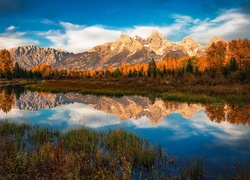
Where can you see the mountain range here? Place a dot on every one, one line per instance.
(124, 50)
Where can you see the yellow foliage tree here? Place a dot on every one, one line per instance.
(6, 62)
(44, 69)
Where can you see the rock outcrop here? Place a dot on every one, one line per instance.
(30, 56)
(128, 50)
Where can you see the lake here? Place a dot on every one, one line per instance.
(217, 134)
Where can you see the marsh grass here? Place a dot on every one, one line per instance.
(6, 82)
(234, 93)
(32, 152)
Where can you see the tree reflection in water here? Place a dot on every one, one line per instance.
(235, 114)
(8, 94)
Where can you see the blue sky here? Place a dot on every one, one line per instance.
(78, 25)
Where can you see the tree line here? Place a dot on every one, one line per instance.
(223, 61)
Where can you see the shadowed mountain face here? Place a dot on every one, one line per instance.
(124, 50)
(30, 56)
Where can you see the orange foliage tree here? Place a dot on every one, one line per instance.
(6, 62)
(44, 69)
(240, 51)
(216, 56)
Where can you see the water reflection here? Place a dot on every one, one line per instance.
(235, 114)
(218, 133)
(7, 95)
(124, 108)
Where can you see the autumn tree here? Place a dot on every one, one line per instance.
(6, 63)
(240, 51)
(44, 70)
(216, 57)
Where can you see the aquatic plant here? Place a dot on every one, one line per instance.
(33, 152)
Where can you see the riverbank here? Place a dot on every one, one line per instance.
(235, 93)
(6, 82)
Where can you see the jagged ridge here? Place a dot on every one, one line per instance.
(128, 50)
(124, 50)
(30, 56)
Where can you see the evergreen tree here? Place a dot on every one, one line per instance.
(17, 70)
(233, 65)
(8, 74)
(130, 73)
(116, 73)
(141, 72)
(189, 67)
(152, 70)
(107, 73)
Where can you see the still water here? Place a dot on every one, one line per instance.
(218, 134)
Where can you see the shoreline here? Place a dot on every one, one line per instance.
(18, 81)
(235, 93)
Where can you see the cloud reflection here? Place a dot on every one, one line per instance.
(75, 114)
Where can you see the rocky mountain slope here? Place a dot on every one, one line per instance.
(132, 51)
(215, 39)
(124, 50)
(30, 56)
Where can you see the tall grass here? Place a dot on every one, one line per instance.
(31, 152)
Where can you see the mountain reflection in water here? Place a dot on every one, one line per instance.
(126, 107)
(217, 133)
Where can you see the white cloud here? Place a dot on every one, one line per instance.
(47, 21)
(145, 31)
(185, 20)
(10, 39)
(71, 115)
(80, 38)
(11, 28)
(230, 24)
